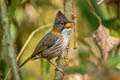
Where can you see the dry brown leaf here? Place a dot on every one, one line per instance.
(104, 41)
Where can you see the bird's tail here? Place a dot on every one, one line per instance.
(29, 58)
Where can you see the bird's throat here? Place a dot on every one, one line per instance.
(66, 36)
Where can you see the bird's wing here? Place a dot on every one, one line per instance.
(47, 41)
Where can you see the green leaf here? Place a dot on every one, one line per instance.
(47, 67)
(20, 15)
(115, 33)
(97, 9)
(116, 24)
(86, 12)
(115, 29)
(108, 22)
(42, 66)
(75, 70)
(83, 54)
(12, 7)
(41, 2)
(3, 69)
(113, 61)
(14, 32)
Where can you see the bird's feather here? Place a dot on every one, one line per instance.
(47, 41)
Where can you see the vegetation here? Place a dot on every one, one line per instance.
(94, 48)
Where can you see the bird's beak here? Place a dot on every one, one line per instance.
(68, 25)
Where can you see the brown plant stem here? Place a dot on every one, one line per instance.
(61, 62)
(8, 44)
(75, 31)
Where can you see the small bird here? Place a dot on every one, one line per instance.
(54, 42)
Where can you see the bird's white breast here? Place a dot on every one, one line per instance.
(66, 36)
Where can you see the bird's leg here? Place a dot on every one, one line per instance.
(59, 69)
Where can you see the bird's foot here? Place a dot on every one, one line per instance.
(65, 59)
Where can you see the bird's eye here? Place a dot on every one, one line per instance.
(63, 23)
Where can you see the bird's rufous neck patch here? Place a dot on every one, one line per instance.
(55, 30)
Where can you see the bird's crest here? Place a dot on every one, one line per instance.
(61, 17)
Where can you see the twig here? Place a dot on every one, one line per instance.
(74, 19)
(75, 28)
(25, 45)
(100, 1)
(9, 47)
(94, 13)
(61, 62)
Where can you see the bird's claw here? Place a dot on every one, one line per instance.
(65, 59)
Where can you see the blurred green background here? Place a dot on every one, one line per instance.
(25, 16)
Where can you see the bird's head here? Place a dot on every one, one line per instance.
(61, 22)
